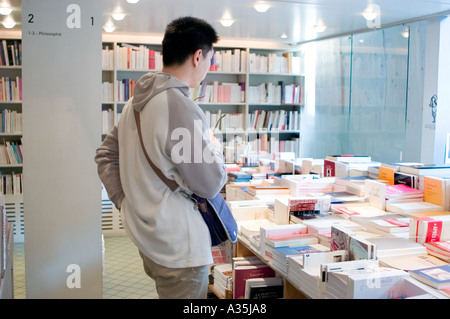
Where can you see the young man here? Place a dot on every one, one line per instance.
(169, 232)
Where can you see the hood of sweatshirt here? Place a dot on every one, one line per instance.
(152, 84)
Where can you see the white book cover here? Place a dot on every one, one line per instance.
(372, 283)
(413, 207)
(376, 192)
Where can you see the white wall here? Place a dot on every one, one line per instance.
(443, 107)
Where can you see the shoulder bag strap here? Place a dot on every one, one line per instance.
(170, 183)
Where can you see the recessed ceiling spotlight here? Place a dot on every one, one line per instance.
(5, 11)
(9, 23)
(226, 22)
(283, 36)
(132, 1)
(118, 16)
(261, 6)
(227, 19)
(371, 12)
(320, 26)
(109, 27)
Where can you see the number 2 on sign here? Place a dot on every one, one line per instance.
(74, 18)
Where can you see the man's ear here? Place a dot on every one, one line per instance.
(196, 57)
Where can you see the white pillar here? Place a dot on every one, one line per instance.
(62, 128)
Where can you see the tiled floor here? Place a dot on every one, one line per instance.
(124, 276)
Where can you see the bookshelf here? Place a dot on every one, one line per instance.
(11, 159)
(237, 74)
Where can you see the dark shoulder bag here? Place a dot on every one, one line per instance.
(215, 212)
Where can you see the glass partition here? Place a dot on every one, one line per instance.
(356, 95)
(325, 118)
(379, 93)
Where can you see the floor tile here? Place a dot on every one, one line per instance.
(123, 278)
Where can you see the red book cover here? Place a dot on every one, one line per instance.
(242, 273)
(151, 59)
(329, 168)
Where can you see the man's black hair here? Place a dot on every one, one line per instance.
(184, 36)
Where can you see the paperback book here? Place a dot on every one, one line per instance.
(436, 277)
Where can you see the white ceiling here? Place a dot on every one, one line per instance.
(295, 18)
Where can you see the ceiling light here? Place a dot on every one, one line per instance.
(371, 12)
(118, 16)
(261, 6)
(226, 22)
(9, 23)
(5, 11)
(320, 27)
(283, 36)
(109, 27)
(132, 1)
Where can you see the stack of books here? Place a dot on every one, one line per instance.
(281, 255)
(363, 210)
(222, 275)
(304, 271)
(400, 193)
(390, 226)
(369, 283)
(430, 229)
(440, 249)
(323, 225)
(436, 277)
(387, 247)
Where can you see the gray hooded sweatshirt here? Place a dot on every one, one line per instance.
(163, 224)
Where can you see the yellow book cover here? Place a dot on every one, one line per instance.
(433, 190)
(386, 174)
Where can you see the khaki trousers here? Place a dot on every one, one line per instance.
(177, 283)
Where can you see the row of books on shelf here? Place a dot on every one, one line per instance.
(11, 121)
(260, 120)
(281, 93)
(224, 121)
(281, 120)
(131, 57)
(11, 153)
(274, 63)
(11, 89)
(216, 92)
(107, 120)
(329, 242)
(234, 60)
(11, 53)
(11, 183)
(121, 90)
(140, 57)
